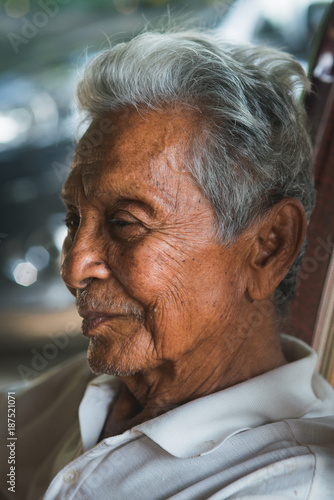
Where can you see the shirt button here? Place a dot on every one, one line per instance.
(71, 476)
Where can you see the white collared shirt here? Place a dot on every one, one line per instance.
(269, 437)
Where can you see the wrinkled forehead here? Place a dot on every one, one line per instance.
(133, 150)
(143, 135)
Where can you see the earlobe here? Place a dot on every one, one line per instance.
(278, 238)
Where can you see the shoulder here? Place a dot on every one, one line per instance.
(293, 458)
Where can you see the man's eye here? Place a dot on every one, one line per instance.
(120, 222)
(71, 221)
(126, 227)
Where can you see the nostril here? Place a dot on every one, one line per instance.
(97, 263)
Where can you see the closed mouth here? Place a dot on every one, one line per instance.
(92, 320)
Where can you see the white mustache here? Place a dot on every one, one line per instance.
(87, 300)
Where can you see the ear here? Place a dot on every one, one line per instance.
(277, 239)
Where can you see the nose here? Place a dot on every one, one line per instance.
(83, 259)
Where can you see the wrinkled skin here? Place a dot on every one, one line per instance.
(166, 306)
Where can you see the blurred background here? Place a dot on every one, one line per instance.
(43, 47)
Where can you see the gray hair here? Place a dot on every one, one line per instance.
(254, 149)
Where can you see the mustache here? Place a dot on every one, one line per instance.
(91, 301)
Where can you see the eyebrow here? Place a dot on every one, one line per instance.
(63, 196)
(67, 199)
(128, 199)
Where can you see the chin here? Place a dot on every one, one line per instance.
(104, 358)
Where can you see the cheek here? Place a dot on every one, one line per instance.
(173, 284)
(152, 270)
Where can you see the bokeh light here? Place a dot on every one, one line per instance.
(25, 274)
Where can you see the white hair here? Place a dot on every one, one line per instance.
(254, 149)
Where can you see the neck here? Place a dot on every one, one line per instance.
(214, 367)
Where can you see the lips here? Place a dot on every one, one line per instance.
(92, 320)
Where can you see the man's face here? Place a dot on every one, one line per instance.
(152, 283)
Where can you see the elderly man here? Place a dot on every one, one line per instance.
(187, 206)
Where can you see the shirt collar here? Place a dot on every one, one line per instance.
(94, 407)
(200, 426)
